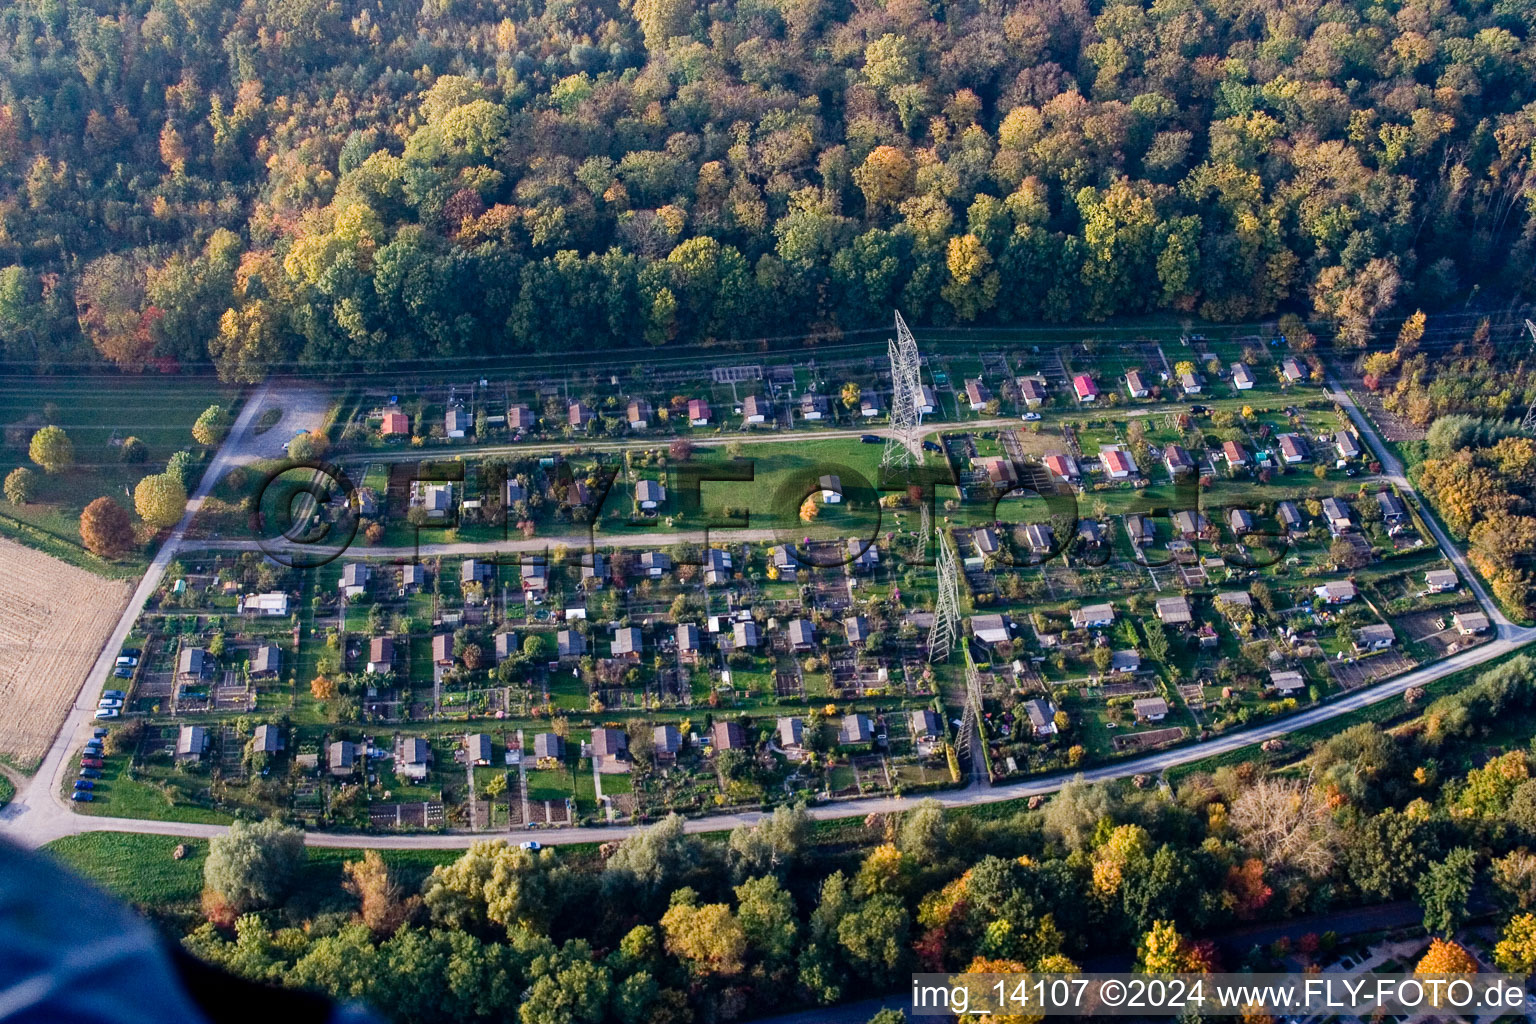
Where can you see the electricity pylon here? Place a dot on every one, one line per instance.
(946, 610)
(904, 446)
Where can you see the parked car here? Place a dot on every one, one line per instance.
(100, 734)
(932, 446)
(532, 844)
(870, 438)
(131, 652)
(126, 661)
(84, 784)
(107, 712)
(113, 693)
(109, 702)
(82, 797)
(1030, 417)
(122, 673)
(90, 773)
(92, 762)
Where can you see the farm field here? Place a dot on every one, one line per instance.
(57, 616)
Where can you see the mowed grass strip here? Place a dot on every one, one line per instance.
(141, 869)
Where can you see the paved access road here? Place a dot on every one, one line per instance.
(39, 814)
(38, 807)
(1392, 469)
(31, 828)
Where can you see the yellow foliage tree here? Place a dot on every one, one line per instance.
(1516, 950)
(810, 508)
(710, 938)
(1125, 844)
(885, 177)
(660, 20)
(973, 284)
(984, 990)
(885, 869)
(52, 449)
(1163, 950)
(160, 499)
(1411, 333)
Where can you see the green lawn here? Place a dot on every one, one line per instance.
(142, 869)
(95, 411)
(155, 791)
(784, 474)
(546, 784)
(138, 868)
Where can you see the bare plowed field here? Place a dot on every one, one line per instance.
(53, 620)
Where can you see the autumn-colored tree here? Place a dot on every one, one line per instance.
(52, 449)
(885, 870)
(383, 905)
(1126, 846)
(1246, 888)
(1445, 957)
(1354, 298)
(1488, 789)
(810, 508)
(885, 178)
(660, 20)
(1162, 950)
(308, 446)
(708, 938)
(20, 485)
(111, 304)
(106, 529)
(160, 500)
(1410, 334)
(1516, 948)
(973, 284)
(982, 991)
(323, 688)
(851, 394)
(211, 426)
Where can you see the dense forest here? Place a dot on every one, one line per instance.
(669, 928)
(334, 182)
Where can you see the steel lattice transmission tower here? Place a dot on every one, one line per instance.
(970, 719)
(1528, 422)
(946, 611)
(904, 446)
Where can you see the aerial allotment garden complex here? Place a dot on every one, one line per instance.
(703, 587)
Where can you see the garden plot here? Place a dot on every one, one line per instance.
(1353, 674)
(1137, 741)
(233, 693)
(428, 814)
(57, 618)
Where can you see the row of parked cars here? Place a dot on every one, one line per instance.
(93, 757)
(92, 760)
(111, 703)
